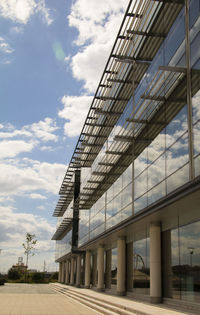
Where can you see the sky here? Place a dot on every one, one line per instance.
(52, 55)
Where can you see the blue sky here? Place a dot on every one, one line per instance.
(52, 55)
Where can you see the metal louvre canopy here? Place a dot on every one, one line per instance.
(151, 117)
(64, 201)
(130, 57)
(63, 229)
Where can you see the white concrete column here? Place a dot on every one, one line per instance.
(129, 266)
(108, 268)
(60, 271)
(100, 267)
(87, 269)
(94, 269)
(63, 272)
(72, 271)
(67, 272)
(121, 266)
(155, 262)
(78, 271)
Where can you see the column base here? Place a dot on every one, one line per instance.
(86, 287)
(121, 293)
(155, 299)
(100, 289)
(77, 285)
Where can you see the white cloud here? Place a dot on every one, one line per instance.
(41, 8)
(88, 64)
(28, 175)
(21, 10)
(41, 207)
(42, 130)
(97, 23)
(37, 196)
(47, 148)
(75, 110)
(12, 148)
(15, 133)
(17, 29)
(5, 47)
(67, 58)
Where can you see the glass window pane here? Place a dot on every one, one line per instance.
(156, 172)
(140, 185)
(157, 192)
(178, 178)
(140, 203)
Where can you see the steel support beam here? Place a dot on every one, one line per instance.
(143, 121)
(117, 153)
(110, 98)
(99, 125)
(85, 144)
(163, 99)
(104, 112)
(147, 34)
(95, 136)
(171, 1)
(120, 81)
(105, 86)
(135, 15)
(173, 69)
(189, 91)
(129, 59)
(75, 229)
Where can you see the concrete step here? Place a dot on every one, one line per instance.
(121, 308)
(92, 305)
(118, 309)
(121, 303)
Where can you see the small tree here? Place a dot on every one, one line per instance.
(29, 247)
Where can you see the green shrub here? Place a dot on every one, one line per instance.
(37, 277)
(14, 274)
(2, 281)
(55, 276)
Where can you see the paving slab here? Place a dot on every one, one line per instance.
(25, 299)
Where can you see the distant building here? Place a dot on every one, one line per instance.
(20, 266)
(129, 207)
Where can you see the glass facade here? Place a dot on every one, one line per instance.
(165, 157)
(163, 165)
(182, 281)
(141, 268)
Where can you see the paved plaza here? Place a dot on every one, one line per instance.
(37, 299)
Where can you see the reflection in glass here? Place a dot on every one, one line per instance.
(114, 268)
(140, 203)
(141, 274)
(185, 263)
(178, 178)
(156, 192)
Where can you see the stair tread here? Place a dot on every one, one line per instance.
(124, 310)
(104, 304)
(93, 306)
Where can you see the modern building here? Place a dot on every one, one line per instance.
(129, 207)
